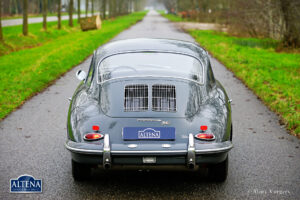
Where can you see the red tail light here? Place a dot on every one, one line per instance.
(96, 128)
(203, 128)
(205, 136)
(93, 136)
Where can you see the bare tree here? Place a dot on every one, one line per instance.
(92, 7)
(104, 4)
(59, 14)
(45, 7)
(291, 15)
(71, 5)
(110, 8)
(86, 7)
(25, 17)
(78, 10)
(1, 34)
(113, 8)
(170, 4)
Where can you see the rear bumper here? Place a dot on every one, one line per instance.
(194, 154)
(200, 149)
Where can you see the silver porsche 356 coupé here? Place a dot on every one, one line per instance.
(149, 103)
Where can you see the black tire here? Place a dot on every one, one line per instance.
(218, 172)
(80, 171)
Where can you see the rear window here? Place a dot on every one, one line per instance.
(152, 65)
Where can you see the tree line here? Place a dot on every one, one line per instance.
(277, 19)
(106, 8)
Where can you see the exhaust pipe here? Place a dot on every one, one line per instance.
(191, 165)
(107, 165)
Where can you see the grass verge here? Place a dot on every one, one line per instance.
(27, 72)
(173, 17)
(15, 41)
(274, 77)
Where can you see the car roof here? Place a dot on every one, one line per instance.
(151, 44)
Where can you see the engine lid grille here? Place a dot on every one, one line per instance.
(136, 98)
(164, 98)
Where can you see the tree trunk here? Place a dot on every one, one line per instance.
(199, 11)
(104, 9)
(71, 5)
(78, 11)
(90, 23)
(129, 6)
(15, 7)
(86, 7)
(19, 6)
(1, 34)
(25, 17)
(110, 8)
(45, 6)
(290, 38)
(270, 19)
(114, 8)
(59, 14)
(92, 7)
(40, 6)
(135, 6)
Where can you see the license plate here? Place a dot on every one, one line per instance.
(149, 160)
(148, 133)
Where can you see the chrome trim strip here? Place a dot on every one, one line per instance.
(217, 150)
(148, 120)
(141, 152)
(83, 151)
(202, 151)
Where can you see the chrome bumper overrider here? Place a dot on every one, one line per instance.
(191, 155)
(106, 152)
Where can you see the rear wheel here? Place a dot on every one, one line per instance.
(80, 171)
(218, 172)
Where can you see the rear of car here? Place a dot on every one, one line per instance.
(149, 110)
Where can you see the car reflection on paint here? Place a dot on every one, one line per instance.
(151, 104)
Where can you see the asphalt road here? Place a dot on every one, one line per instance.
(264, 164)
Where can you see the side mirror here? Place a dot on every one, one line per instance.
(81, 75)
